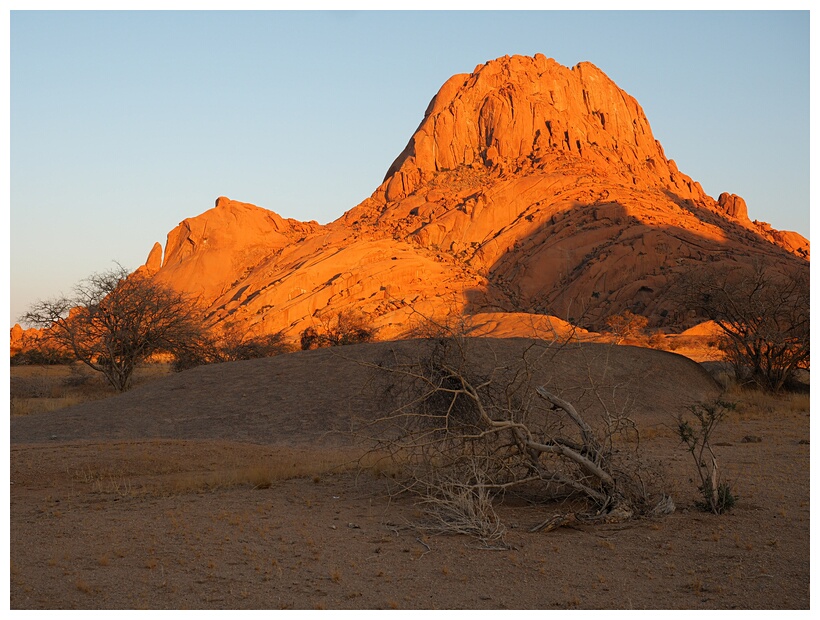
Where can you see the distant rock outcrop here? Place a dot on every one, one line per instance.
(206, 254)
(529, 188)
(16, 336)
(734, 206)
(22, 340)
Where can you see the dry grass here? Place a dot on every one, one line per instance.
(698, 348)
(262, 474)
(174, 467)
(657, 430)
(753, 404)
(37, 389)
(104, 481)
(186, 536)
(797, 403)
(27, 406)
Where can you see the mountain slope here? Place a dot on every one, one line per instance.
(528, 187)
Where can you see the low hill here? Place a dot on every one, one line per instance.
(311, 397)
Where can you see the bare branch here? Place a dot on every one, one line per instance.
(115, 320)
(459, 414)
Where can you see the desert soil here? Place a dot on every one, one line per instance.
(233, 486)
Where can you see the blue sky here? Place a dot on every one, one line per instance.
(123, 124)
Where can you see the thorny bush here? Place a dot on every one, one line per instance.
(469, 428)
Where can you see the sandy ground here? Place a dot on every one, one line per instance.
(220, 488)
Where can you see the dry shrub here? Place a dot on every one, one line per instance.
(658, 341)
(38, 389)
(341, 329)
(232, 344)
(626, 325)
(467, 427)
(763, 314)
(41, 354)
(460, 502)
(697, 436)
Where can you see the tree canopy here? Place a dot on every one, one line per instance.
(115, 320)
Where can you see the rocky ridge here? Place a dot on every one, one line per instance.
(529, 188)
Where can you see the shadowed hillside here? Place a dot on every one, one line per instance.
(319, 396)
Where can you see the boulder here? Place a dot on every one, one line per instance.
(734, 206)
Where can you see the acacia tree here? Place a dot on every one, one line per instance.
(113, 321)
(763, 313)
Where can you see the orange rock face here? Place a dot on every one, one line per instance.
(23, 339)
(520, 113)
(16, 337)
(529, 188)
(205, 255)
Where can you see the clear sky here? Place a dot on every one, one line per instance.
(123, 124)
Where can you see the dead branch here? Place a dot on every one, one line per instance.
(467, 427)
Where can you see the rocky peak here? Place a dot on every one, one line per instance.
(154, 261)
(204, 254)
(519, 112)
